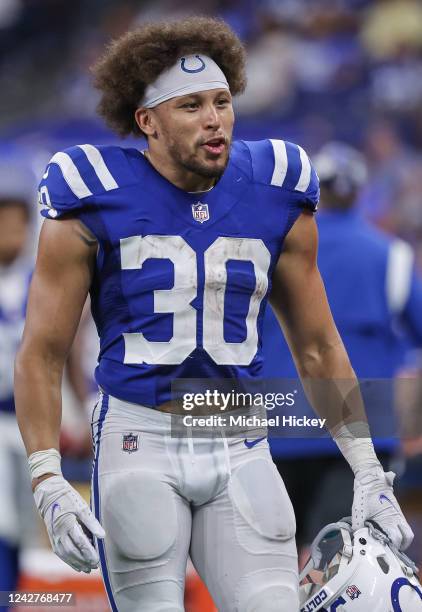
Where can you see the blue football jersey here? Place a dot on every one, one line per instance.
(181, 279)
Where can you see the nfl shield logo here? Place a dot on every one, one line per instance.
(200, 212)
(353, 592)
(130, 443)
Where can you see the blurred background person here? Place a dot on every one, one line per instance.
(20, 528)
(376, 300)
(18, 520)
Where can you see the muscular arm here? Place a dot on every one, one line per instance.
(299, 299)
(59, 288)
(300, 303)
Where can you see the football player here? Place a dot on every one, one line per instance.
(180, 246)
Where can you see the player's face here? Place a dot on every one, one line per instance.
(196, 131)
(13, 231)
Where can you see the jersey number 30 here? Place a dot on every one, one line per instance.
(135, 250)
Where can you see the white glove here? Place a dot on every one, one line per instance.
(374, 500)
(66, 515)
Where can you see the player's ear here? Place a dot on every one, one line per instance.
(146, 121)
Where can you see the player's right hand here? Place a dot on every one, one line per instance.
(64, 513)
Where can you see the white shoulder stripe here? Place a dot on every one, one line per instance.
(280, 162)
(399, 275)
(71, 174)
(305, 174)
(97, 162)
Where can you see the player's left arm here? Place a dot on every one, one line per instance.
(300, 304)
(299, 301)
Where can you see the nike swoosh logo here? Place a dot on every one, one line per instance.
(382, 497)
(55, 507)
(252, 443)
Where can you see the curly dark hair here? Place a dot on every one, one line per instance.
(135, 60)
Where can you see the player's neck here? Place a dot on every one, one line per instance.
(184, 179)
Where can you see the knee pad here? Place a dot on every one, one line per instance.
(154, 596)
(268, 590)
(139, 516)
(273, 599)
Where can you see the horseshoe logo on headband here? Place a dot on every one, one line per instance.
(200, 69)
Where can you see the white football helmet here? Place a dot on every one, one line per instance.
(358, 571)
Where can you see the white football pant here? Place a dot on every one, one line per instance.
(162, 498)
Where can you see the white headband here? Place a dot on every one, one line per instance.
(188, 75)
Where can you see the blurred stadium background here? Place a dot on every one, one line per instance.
(318, 71)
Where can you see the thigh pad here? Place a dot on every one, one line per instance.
(139, 515)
